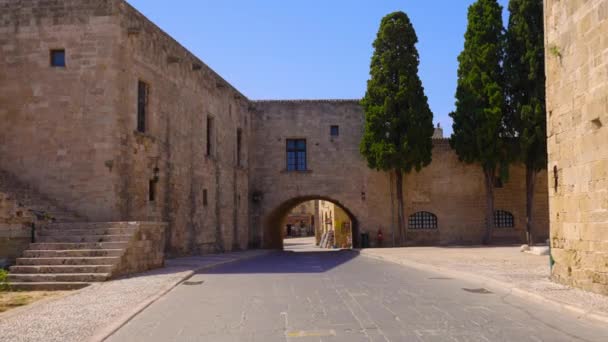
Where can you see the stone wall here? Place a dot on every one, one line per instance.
(73, 131)
(74, 136)
(15, 229)
(337, 172)
(577, 105)
(58, 123)
(184, 92)
(145, 250)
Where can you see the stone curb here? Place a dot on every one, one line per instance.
(120, 322)
(519, 292)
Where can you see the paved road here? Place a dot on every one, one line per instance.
(339, 296)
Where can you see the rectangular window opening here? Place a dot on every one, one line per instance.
(152, 190)
(334, 130)
(58, 58)
(205, 197)
(210, 136)
(142, 105)
(239, 147)
(296, 155)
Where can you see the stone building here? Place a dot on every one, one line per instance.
(107, 115)
(444, 201)
(301, 220)
(577, 106)
(335, 220)
(104, 112)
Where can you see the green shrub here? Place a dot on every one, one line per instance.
(4, 285)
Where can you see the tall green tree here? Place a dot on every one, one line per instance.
(525, 75)
(479, 119)
(398, 120)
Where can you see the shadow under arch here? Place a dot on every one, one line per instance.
(273, 224)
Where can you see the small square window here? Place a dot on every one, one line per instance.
(334, 130)
(58, 58)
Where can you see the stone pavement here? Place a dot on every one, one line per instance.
(524, 274)
(96, 311)
(313, 296)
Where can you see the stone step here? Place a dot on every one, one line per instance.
(85, 232)
(90, 225)
(60, 269)
(74, 253)
(57, 277)
(68, 261)
(84, 238)
(72, 246)
(48, 286)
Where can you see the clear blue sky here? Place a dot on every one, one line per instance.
(313, 49)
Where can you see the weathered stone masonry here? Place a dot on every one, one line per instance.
(577, 105)
(336, 171)
(73, 134)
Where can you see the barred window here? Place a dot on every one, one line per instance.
(503, 219)
(422, 220)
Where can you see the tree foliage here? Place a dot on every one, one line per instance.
(480, 101)
(525, 75)
(525, 79)
(481, 134)
(398, 119)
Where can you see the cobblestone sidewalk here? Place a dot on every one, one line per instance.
(92, 312)
(524, 274)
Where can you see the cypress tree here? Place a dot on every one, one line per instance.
(479, 118)
(525, 75)
(398, 119)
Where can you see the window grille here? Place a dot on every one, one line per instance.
(503, 219)
(422, 220)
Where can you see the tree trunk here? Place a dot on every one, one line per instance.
(489, 180)
(530, 182)
(400, 211)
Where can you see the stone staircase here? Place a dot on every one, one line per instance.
(70, 256)
(69, 253)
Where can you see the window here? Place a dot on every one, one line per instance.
(152, 190)
(239, 146)
(58, 58)
(498, 183)
(503, 219)
(205, 197)
(296, 155)
(334, 131)
(555, 178)
(142, 105)
(210, 136)
(422, 220)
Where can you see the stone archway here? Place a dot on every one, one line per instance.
(272, 236)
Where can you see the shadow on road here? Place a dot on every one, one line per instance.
(288, 262)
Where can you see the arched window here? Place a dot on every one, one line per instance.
(503, 219)
(422, 220)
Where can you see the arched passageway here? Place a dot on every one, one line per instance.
(275, 223)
